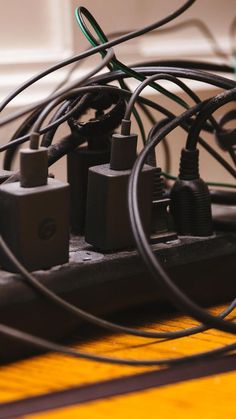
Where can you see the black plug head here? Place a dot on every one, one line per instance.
(33, 167)
(190, 199)
(123, 151)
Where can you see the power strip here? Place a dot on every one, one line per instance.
(106, 283)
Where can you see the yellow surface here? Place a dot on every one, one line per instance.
(203, 398)
(207, 398)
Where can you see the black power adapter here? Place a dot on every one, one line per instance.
(34, 215)
(107, 219)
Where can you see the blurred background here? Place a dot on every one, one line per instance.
(35, 35)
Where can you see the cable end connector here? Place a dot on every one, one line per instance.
(189, 164)
(33, 167)
(190, 199)
(123, 151)
(125, 126)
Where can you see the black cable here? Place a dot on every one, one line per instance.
(9, 118)
(86, 89)
(93, 51)
(218, 81)
(27, 124)
(174, 80)
(187, 64)
(44, 344)
(151, 160)
(226, 138)
(213, 79)
(223, 197)
(79, 105)
(49, 134)
(161, 76)
(165, 144)
(178, 298)
(39, 121)
(34, 139)
(91, 131)
(24, 128)
(87, 316)
(121, 92)
(232, 155)
(192, 74)
(211, 106)
(202, 142)
(21, 131)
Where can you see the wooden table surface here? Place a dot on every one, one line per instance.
(54, 386)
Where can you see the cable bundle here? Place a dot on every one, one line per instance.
(113, 106)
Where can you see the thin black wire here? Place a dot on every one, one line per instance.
(178, 298)
(21, 131)
(210, 107)
(130, 362)
(92, 51)
(34, 141)
(165, 144)
(202, 76)
(192, 74)
(49, 134)
(174, 80)
(47, 345)
(156, 106)
(27, 124)
(89, 88)
(187, 64)
(147, 81)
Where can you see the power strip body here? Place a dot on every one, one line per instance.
(106, 283)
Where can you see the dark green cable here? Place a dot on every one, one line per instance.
(117, 64)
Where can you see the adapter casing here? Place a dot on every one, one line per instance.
(107, 218)
(34, 222)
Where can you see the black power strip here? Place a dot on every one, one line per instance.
(106, 283)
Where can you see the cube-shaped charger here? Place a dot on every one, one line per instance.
(107, 219)
(34, 222)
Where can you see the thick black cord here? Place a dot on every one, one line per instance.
(163, 76)
(123, 93)
(92, 51)
(187, 73)
(48, 136)
(187, 64)
(204, 77)
(213, 153)
(178, 298)
(47, 345)
(165, 144)
(79, 92)
(105, 61)
(210, 107)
